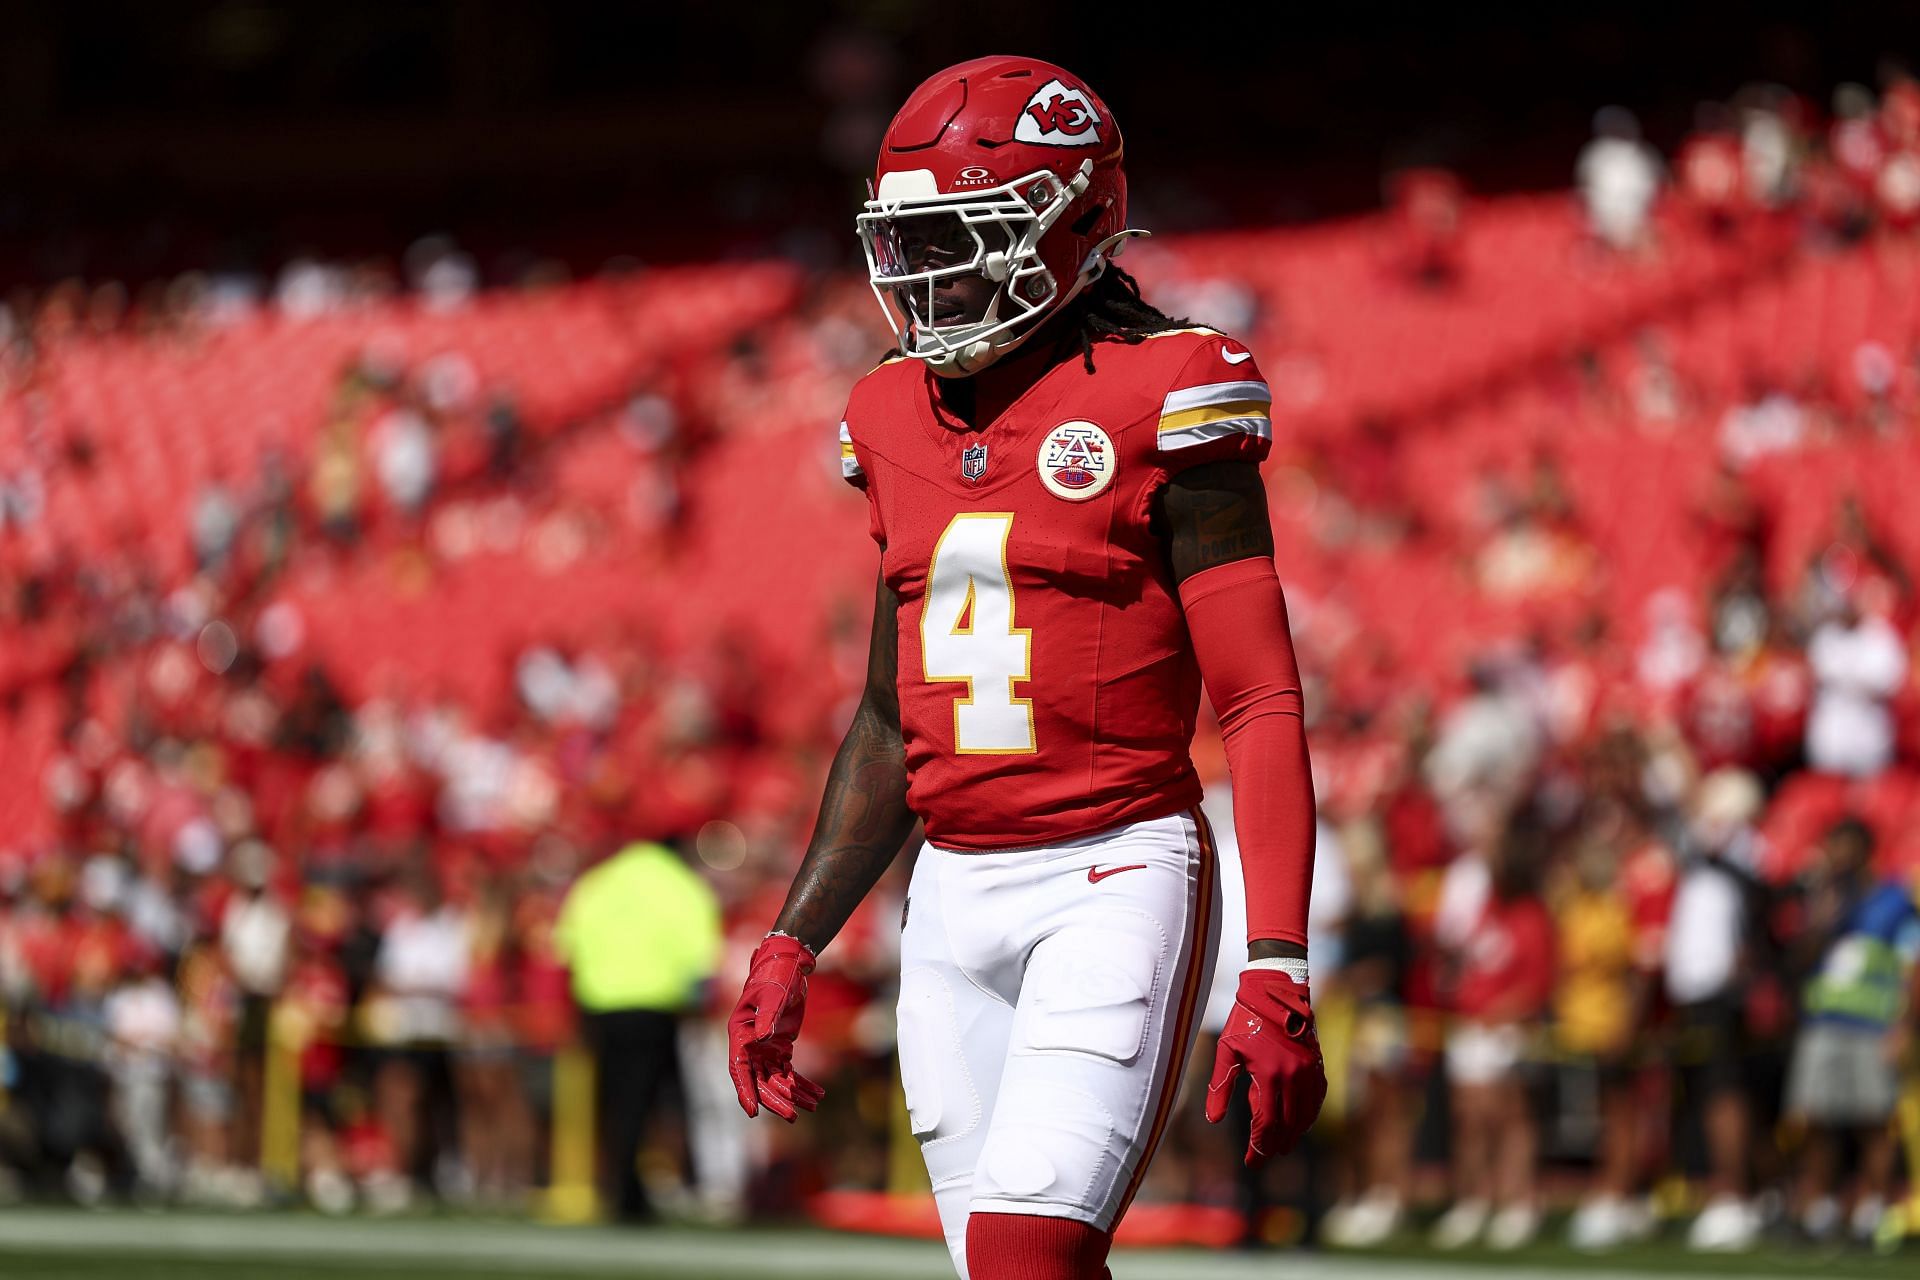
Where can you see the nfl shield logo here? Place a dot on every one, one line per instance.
(973, 461)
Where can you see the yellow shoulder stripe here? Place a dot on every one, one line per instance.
(1214, 413)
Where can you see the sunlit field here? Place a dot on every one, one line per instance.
(44, 1245)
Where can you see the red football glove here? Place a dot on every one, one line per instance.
(1270, 1036)
(760, 1033)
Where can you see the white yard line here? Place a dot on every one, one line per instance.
(479, 1247)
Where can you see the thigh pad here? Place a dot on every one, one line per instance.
(1089, 988)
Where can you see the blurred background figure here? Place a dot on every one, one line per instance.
(256, 934)
(142, 1019)
(1711, 959)
(1862, 938)
(1376, 952)
(1708, 173)
(420, 974)
(1600, 1003)
(1503, 973)
(640, 933)
(1859, 663)
(1429, 205)
(1619, 176)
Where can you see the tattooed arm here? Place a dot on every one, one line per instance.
(864, 817)
(1212, 516)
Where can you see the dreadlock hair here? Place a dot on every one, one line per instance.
(1111, 307)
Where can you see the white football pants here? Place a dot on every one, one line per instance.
(1049, 999)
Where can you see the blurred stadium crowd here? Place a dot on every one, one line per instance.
(352, 613)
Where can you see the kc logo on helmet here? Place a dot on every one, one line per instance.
(1076, 461)
(1058, 116)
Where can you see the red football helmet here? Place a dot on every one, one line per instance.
(1003, 168)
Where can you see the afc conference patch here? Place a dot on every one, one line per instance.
(1077, 461)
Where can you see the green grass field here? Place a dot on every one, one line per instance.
(45, 1244)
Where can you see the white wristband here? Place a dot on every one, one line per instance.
(1294, 967)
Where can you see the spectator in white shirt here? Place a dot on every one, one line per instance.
(1618, 176)
(255, 934)
(1713, 913)
(1487, 749)
(421, 970)
(1859, 664)
(406, 458)
(143, 1026)
(1768, 420)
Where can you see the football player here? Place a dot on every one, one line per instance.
(1064, 486)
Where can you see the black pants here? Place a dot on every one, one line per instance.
(633, 1053)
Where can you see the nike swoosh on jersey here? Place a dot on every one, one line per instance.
(1235, 357)
(1095, 875)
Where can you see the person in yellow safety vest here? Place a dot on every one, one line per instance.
(640, 933)
(1862, 935)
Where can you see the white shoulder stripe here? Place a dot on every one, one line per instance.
(1188, 437)
(1215, 393)
(849, 462)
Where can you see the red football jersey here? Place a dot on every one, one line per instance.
(1047, 684)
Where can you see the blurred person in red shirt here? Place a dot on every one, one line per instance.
(496, 1131)
(1856, 150)
(313, 1011)
(1745, 704)
(43, 933)
(1896, 185)
(1708, 169)
(1427, 206)
(543, 1012)
(1504, 981)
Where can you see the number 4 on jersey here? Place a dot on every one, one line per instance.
(967, 634)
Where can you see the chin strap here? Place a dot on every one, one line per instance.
(964, 362)
(1094, 265)
(1117, 243)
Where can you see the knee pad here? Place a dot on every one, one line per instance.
(1052, 1143)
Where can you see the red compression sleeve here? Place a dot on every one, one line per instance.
(1238, 619)
(1018, 1246)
